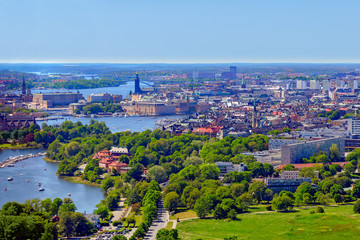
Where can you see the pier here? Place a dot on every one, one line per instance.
(11, 161)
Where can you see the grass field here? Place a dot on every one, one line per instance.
(169, 225)
(20, 146)
(183, 214)
(338, 222)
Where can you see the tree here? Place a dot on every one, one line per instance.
(356, 189)
(171, 201)
(268, 169)
(202, 207)
(135, 172)
(210, 171)
(349, 168)
(335, 155)
(157, 173)
(289, 167)
(356, 207)
(108, 183)
(257, 190)
(119, 237)
(282, 203)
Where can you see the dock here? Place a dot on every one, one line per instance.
(13, 160)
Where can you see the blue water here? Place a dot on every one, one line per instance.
(85, 197)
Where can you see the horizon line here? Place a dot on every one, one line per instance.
(60, 62)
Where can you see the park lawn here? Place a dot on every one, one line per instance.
(183, 214)
(338, 222)
(257, 208)
(169, 225)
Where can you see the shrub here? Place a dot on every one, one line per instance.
(117, 222)
(319, 210)
(268, 208)
(357, 206)
(312, 212)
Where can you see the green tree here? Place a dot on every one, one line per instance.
(356, 207)
(157, 173)
(335, 155)
(171, 201)
(257, 190)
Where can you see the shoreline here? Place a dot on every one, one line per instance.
(74, 179)
(19, 147)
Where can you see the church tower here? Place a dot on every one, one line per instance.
(254, 116)
(23, 87)
(243, 84)
(137, 84)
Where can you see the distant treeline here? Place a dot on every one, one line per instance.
(83, 84)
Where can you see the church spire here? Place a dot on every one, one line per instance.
(23, 88)
(243, 84)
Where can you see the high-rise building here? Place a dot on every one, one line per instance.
(233, 72)
(354, 126)
(314, 84)
(195, 75)
(326, 85)
(353, 84)
(340, 83)
(300, 84)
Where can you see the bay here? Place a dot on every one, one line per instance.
(84, 196)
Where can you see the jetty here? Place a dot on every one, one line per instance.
(12, 160)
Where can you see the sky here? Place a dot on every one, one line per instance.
(179, 31)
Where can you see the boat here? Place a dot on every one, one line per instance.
(69, 194)
(41, 189)
(10, 165)
(21, 174)
(5, 189)
(10, 178)
(27, 180)
(45, 169)
(39, 184)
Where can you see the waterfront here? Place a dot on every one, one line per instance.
(118, 124)
(84, 196)
(123, 89)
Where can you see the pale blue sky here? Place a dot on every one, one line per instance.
(179, 31)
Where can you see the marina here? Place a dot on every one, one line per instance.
(10, 162)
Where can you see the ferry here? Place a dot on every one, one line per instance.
(10, 178)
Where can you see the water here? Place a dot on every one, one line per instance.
(118, 124)
(84, 196)
(123, 90)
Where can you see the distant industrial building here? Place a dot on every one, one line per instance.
(47, 100)
(293, 153)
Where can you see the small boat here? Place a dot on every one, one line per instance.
(10, 165)
(10, 178)
(21, 174)
(39, 184)
(41, 189)
(27, 180)
(69, 194)
(45, 169)
(5, 189)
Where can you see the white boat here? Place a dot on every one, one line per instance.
(10, 165)
(69, 194)
(21, 174)
(27, 180)
(10, 178)
(41, 189)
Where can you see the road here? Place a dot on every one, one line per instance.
(159, 223)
